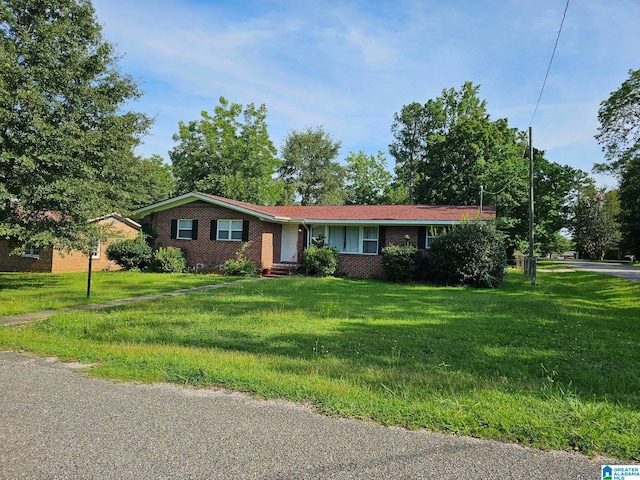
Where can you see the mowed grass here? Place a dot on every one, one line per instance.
(555, 366)
(33, 292)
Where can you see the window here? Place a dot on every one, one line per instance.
(229, 230)
(31, 252)
(370, 240)
(432, 233)
(185, 229)
(348, 239)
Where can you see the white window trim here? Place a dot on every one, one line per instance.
(30, 252)
(230, 230)
(433, 237)
(184, 229)
(360, 238)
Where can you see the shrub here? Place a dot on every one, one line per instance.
(130, 254)
(399, 262)
(471, 254)
(169, 260)
(320, 260)
(240, 266)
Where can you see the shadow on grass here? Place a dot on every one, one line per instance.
(574, 331)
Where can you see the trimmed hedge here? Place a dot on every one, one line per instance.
(320, 261)
(471, 254)
(399, 262)
(130, 254)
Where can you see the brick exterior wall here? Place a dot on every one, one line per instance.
(55, 261)
(370, 266)
(213, 253)
(14, 263)
(76, 261)
(203, 250)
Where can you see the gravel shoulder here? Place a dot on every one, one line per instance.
(58, 423)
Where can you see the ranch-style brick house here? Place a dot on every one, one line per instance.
(51, 260)
(211, 229)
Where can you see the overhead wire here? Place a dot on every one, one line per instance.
(544, 83)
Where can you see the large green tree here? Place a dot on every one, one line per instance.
(619, 132)
(619, 135)
(367, 179)
(309, 168)
(629, 191)
(66, 137)
(594, 225)
(456, 151)
(409, 131)
(227, 153)
(152, 181)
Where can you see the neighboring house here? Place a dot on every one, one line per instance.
(51, 260)
(211, 229)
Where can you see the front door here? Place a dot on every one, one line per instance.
(289, 250)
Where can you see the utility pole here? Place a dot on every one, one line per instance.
(531, 210)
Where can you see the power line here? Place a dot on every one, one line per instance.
(550, 62)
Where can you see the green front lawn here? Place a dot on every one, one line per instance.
(33, 292)
(556, 366)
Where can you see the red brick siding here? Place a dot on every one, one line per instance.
(76, 261)
(362, 266)
(14, 263)
(55, 261)
(212, 253)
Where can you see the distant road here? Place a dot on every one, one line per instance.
(55, 423)
(616, 269)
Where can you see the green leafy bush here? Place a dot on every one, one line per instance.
(399, 262)
(130, 254)
(169, 260)
(471, 254)
(320, 260)
(240, 266)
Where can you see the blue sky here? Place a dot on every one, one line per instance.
(350, 65)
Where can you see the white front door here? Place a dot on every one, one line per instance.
(289, 247)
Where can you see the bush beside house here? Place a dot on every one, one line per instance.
(471, 254)
(399, 262)
(131, 254)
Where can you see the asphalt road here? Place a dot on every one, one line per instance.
(627, 272)
(57, 423)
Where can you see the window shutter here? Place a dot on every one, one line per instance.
(382, 238)
(214, 230)
(174, 229)
(194, 229)
(422, 237)
(305, 237)
(245, 230)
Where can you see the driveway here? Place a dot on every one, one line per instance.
(627, 272)
(57, 423)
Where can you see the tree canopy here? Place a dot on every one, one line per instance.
(594, 225)
(619, 136)
(227, 153)
(309, 168)
(619, 132)
(449, 149)
(367, 179)
(66, 139)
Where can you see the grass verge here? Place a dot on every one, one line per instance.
(554, 366)
(34, 292)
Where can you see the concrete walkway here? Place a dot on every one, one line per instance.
(33, 316)
(56, 423)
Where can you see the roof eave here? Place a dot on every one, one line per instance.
(192, 196)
